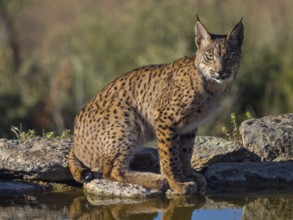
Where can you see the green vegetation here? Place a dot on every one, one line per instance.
(233, 133)
(55, 55)
(25, 135)
(22, 135)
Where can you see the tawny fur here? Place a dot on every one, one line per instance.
(167, 102)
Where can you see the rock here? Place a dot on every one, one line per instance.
(250, 174)
(107, 188)
(209, 150)
(35, 159)
(236, 193)
(224, 162)
(270, 137)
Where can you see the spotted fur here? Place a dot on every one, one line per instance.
(167, 102)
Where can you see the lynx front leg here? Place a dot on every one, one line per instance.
(186, 150)
(168, 145)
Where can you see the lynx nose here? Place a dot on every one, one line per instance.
(221, 72)
(225, 74)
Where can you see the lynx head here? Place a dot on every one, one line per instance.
(218, 56)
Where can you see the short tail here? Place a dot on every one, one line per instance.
(79, 172)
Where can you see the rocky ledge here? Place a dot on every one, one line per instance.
(265, 159)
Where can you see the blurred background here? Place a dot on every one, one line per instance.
(55, 55)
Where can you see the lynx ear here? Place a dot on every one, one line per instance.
(235, 36)
(202, 36)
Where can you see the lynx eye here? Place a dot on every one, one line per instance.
(209, 57)
(231, 57)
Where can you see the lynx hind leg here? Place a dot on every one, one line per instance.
(79, 172)
(186, 151)
(121, 173)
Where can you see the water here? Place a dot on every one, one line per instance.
(269, 205)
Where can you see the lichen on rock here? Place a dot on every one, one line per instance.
(106, 188)
(270, 137)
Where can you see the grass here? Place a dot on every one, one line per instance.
(25, 135)
(233, 133)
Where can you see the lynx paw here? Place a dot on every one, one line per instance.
(161, 184)
(185, 188)
(200, 180)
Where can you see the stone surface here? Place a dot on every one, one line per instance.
(270, 137)
(224, 162)
(102, 187)
(209, 150)
(35, 159)
(251, 174)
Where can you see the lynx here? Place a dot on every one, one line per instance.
(167, 102)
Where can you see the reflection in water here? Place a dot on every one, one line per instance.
(80, 206)
(269, 208)
(49, 206)
(92, 207)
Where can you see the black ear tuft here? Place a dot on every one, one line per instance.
(197, 18)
